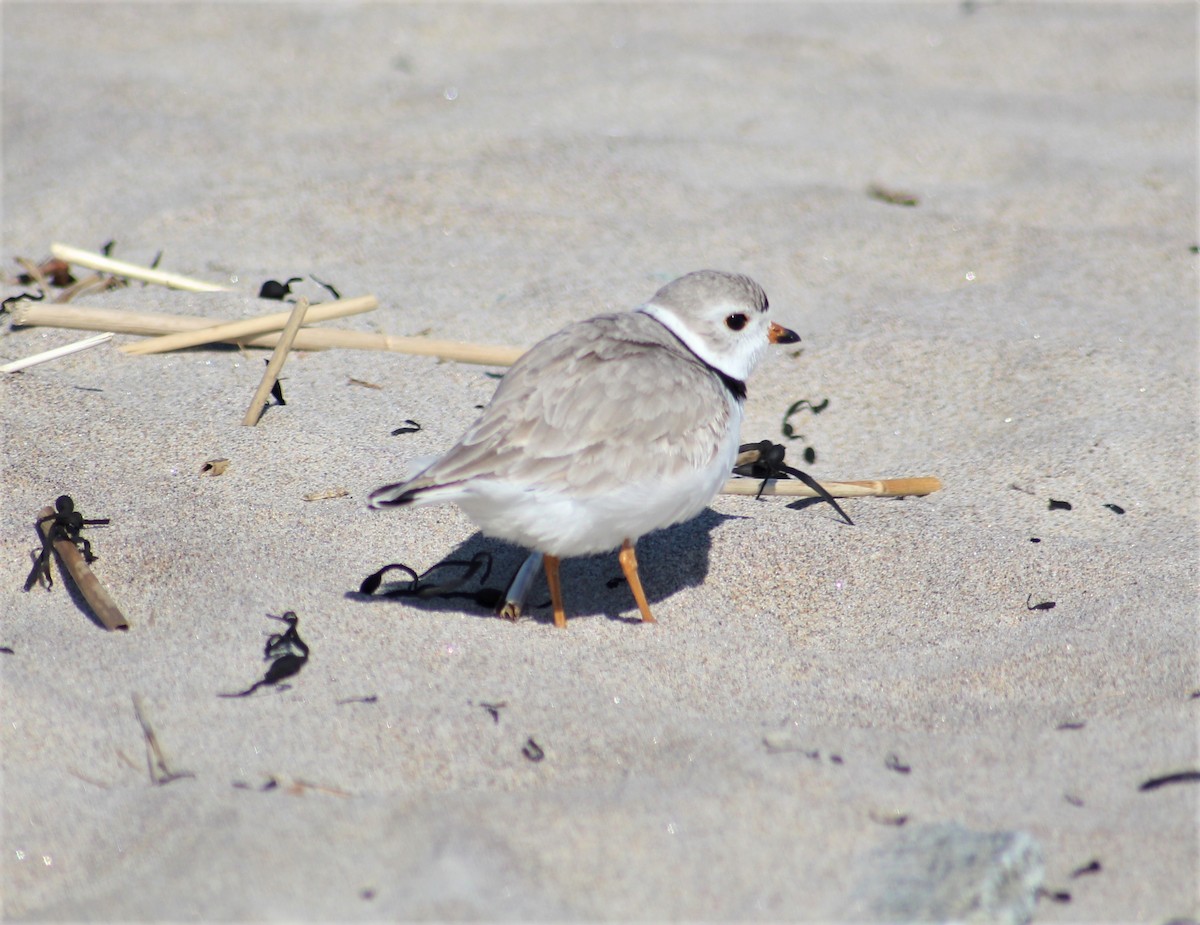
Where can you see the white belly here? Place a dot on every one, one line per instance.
(561, 525)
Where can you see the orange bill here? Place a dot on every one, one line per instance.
(778, 334)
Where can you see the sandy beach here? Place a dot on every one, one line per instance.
(981, 220)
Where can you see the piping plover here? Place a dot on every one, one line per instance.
(609, 429)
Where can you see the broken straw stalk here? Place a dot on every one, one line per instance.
(93, 261)
(275, 364)
(85, 579)
(234, 330)
(149, 323)
(863, 488)
(263, 331)
(81, 318)
(65, 350)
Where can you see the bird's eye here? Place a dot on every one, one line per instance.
(736, 322)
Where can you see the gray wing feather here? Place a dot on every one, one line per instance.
(616, 397)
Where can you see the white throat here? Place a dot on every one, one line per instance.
(693, 341)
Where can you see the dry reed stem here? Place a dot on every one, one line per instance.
(863, 488)
(34, 271)
(236, 330)
(66, 350)
(85, 580)
(275, 364)
(94, 261)
(156, 759)
(83, 318)
(94, 283)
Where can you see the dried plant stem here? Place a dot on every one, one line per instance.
(157, 323)
(94, 261)
(275, 364)
(65, 350)
(94, 283)
(88, 584)
(236, 330)
(156, 759)
(34, 271)
(458, 350)
(864, 488)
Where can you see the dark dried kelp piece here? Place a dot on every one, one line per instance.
(1044, 605)
(1091, 867)
(64, 524)
(765, 460)
(21, 297)
(326, 286)
(893, 763)
(892, 197)
(1056, 505)
(1115, 508)
(286, 652)
(371, 583)
(409, 427)
(273, 289)
(493, 709)
(1179, 777)
(421, 586)
(810, 453)
(532, 750)
(53, 271)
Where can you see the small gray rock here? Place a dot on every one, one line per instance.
(946, 873)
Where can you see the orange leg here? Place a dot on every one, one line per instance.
(628, 560)
(551, 565)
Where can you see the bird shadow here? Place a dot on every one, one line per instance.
(669, 560)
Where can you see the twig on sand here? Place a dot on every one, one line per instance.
(66, 350)
(89, 586)
(156, 760)
(275, 364)
(97, 282)
(863, 488)
(237, 330)
(94, 261)
(292, 786)
(83, 318)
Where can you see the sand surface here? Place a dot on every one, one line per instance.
(1027, 331)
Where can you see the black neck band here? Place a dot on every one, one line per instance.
(736, 387)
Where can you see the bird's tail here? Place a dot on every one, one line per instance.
(397, 495)
(407, 492)
(400, 494)
(416, 492)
